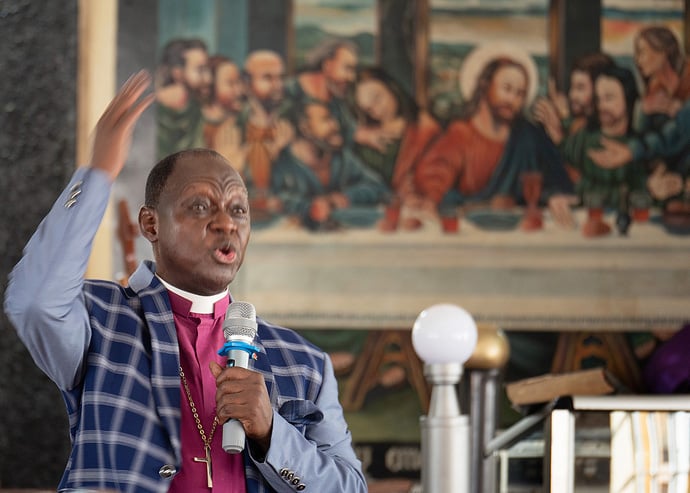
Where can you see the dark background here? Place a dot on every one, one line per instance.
(38, 62)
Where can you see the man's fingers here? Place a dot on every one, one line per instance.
(124, 103)
(560, 210)
(598, 156)
(135, 85)
(134, 88)
(140, 107)
(674, 182)
(563, 216)
(216, 369)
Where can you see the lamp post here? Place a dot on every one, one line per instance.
(444, 336)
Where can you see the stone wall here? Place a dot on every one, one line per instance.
(38, 63)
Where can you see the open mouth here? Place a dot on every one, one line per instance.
(225, 254)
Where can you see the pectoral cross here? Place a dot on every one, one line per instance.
(207, 460)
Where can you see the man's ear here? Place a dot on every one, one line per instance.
(148, 223)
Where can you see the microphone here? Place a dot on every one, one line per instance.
(239, 328)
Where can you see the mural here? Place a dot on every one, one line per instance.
(441, 158)
(377, 125)
(340, 143)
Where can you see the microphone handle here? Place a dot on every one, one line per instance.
(233, 432)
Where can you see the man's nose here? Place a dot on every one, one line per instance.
(223, 221)
(515, 100)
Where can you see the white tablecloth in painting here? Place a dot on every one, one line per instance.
(552, 279)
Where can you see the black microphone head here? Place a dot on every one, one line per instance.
(240, 320)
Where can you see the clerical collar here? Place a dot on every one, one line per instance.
(200, 304)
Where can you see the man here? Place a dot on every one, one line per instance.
(329, 75)
(330, 72)
(568, 115)
(146, 391)
(183, 87)
(561, 115)
(221, 131)
(615, 97)
(480, 157)
(668, 148)
(664, 120)
(266, 131)
(319, 181)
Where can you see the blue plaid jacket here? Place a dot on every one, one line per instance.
(114, 353)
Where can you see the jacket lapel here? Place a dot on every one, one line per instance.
(165, 356)
(262, 365)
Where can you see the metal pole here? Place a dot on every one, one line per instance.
(445, 439)
(488, 395)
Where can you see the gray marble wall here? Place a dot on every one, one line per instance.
(38, 63)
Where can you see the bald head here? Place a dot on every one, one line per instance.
(158, 176)
(265, 71)
(257, 61)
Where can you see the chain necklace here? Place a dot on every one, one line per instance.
(207, 441)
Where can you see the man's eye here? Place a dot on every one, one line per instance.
(199, 207)
(239, 211)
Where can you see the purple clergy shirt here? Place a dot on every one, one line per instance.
(200, 337)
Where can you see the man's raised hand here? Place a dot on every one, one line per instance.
(113, 135)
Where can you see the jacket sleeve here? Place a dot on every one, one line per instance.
(666, 142)
(322, 459)
(440, 166)
(44, 299)
(361, 186)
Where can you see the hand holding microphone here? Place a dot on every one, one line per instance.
(241, 394)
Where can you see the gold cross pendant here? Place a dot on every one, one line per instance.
(207, 460)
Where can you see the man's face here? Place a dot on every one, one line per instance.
(229, 87)
(321, 128)
(580, 94)
(267, 80)
(340, 71)
(376, 100)
(610, 101)
(200, 228)
(507, 92)
(196, 74)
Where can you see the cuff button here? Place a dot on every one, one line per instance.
(167, 471)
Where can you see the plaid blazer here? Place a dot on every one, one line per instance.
(123, 394)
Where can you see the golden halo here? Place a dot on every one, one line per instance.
(479, 57)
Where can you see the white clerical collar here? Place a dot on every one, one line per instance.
(200, 304)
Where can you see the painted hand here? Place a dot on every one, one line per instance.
(613, 154)
(559, 206)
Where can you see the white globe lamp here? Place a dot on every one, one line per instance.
(444, 333)
(444, 337)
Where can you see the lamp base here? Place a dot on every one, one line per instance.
(445, 449)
